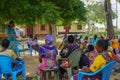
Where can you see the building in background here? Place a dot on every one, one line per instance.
(75, 28)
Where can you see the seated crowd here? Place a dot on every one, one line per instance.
(97, 52)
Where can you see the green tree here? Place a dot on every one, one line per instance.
(30, 12)
(96, 13)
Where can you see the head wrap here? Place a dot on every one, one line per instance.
(49, 38)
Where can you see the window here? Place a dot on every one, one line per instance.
(42, 27)
(79, 27)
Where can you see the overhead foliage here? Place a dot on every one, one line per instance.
(30, 12)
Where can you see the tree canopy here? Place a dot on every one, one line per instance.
(30, 12)
(96, 12)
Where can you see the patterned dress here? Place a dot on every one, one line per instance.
(48, 54)
(12, 39)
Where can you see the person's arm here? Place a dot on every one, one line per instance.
(97, 64)
(35, 48)
(41, 54)
(13, 55)
(40, 59)
(116, 57)
(19, 59)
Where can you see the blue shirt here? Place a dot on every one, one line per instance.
(11, 31)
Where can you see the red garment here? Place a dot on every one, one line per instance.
(66, 29)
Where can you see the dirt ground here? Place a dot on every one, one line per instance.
(32, 63)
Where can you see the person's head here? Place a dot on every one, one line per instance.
(5, 43)
(86, 38)
(102, 45)
(90, 47)
(11, 24)
(85, 44)
(95, 36)
(71, 39)
(101, 37)
(49, 39)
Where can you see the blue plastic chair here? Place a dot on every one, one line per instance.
(5, 67)
(31, 49)
(105, 71)
(19, 48)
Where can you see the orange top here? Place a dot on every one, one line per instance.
(114, 44)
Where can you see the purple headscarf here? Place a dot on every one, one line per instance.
(49, 38)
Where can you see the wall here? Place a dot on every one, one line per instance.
(73, 29)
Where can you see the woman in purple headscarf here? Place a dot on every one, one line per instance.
(47, 53)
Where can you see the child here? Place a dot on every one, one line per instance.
(47, 53)
(87, 60)
(91, 53)
(84, 61)
(30, 40)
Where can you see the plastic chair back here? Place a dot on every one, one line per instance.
(6, 67)
(31, 49)
(75, 57)
(19, 47)
(5, 64)
(105, 71)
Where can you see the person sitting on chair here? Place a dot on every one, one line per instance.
(47, 55)
(104, 57)
(92, 53)
(8, 52)
(33, 42)
(67, 50)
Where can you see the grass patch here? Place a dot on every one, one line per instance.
(28, 78)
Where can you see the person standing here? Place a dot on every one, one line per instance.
(11, 32)
(12, 36)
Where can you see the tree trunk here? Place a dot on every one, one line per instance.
(108, 12)
(53, 31)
